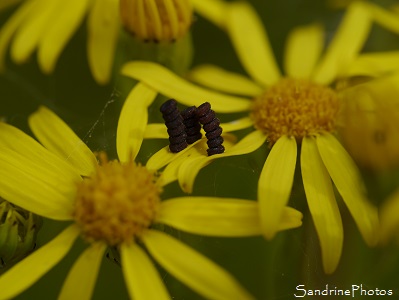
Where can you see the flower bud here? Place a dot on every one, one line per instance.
(18, 230)
(157, 20)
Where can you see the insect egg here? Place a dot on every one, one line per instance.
(193, 127)
(175, 126)
(211, 125)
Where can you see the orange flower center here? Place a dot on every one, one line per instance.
(117, 203)
(296, 108)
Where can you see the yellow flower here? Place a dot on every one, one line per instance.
(298, 108)
(114, 203)
(370, 119)
(157, 20)
(47, 25)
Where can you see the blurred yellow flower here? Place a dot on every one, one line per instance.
(298, 108)
(386, 17)
(370, 119)
(157, 20)
(48, 25)
(63, 181)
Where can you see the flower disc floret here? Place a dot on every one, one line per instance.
(118, 203)
(295, 107)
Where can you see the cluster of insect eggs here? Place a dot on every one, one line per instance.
(185, 128)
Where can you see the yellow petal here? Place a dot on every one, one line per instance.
(170, 173)
(164, 157)
(304, 46)
(103, 29)
(155, 131)
(384, 18)
(28, 36)
(214, 216)
(155, 18)
(35, 265)
(275, 183)
(11, 26)
(56, 136)
(291, 218)
(211, 216)
(172, 11)
(193, 269)
(221, 80)
(347, 179)
(322, 204)
(188, 170)
(36, 186)
(213, 10)
(251, 43)
(54, 38)
(389, 218)
(133, 121)
(237, 124)
(15, 139)
(141, 277)
(172, 86)
(347, 42)
(374, 64)
(81, 279)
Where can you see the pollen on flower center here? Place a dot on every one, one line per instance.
(117, 203)
(296, 108)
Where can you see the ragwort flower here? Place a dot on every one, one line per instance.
(299, 108)
(48, 25)
(114, 203)
(157, 20)
(370, 118)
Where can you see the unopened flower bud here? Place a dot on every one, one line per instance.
(157, 20)
(18, 230)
